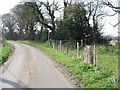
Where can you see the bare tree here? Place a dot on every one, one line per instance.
(46, 14)
(95, 14)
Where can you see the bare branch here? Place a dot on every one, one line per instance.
(110, 5)
(116, 24)
(111, 14)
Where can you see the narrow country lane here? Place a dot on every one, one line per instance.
(29, 67)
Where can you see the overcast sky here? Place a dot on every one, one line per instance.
(6, 5)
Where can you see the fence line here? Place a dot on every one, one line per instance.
(91, 54)
(74, 49)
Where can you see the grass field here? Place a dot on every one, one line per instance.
(83, 73)
(108, 57)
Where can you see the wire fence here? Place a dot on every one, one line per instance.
(67, 47)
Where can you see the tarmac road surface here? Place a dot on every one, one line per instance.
(28, 67)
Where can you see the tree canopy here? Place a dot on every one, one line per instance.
(33, 20)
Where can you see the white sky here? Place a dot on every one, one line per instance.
(6, 5)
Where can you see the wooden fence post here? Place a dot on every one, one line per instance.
(81, 43)
(77, 50)
(53, 45)
(67, 50)
(60, 45)
(94, 55)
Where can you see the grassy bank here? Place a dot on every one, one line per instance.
(5, 51)
(83, 73)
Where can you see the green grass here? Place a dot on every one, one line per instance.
(83, 73)
(107, 57)
(5, 51)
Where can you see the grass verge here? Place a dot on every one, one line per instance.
(5, 52)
